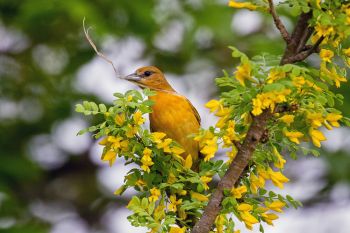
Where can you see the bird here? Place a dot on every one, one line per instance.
(172, 113)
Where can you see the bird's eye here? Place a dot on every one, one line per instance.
(147, 73)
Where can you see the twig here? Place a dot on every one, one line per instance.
(303, 55)
(280, 26)
(86, 32)
(305, 37)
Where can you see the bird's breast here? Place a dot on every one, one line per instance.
(174, 115)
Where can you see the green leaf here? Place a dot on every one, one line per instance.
(102, 107)
(79, 108)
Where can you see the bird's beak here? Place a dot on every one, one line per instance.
(132, 77)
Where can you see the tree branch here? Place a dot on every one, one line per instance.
(258, 126)
(280, 26)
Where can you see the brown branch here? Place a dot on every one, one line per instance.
(256, 130)
(304, 38)
(303, 55)
(280, 26)
(233, 173)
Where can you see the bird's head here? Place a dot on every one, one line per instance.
(149, 77)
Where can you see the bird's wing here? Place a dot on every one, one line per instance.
(198, 117)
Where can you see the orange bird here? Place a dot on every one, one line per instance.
(172, 113)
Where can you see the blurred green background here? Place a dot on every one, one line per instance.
(51, 180)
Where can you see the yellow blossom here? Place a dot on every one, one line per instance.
(288, 119)
(248, 219)
(346, 52)
(299, 81)
(244, 207)
(109, 156)
(294, 136)
(277, 178)
(188, 162)
(129, 98)
(232, 154)
(205, 180)
(275, 75)
(326, 55)
(243, 72)
(219, 223)
(146, 160)
(239, 191)
(131, 131)
(104, 141)
(317, 136)
(223, 112)
(213, 105)
(171, 178)
(333, 74)
(256, 182)
(198, 196)
(209, 149)
(119, 119)
(276, 206)
(155, 194)
(268, 218)
(177, 230)
(269, 100)
(316, 119)
(140, 183)
(158, 136)
(138, 119)
(280, 160)
(239, 5)
(177, 150)
(159, 212)
(323, 30)
(174, 203)
(333, 119)
(165, 145)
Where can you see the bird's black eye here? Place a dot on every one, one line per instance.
(147, 73)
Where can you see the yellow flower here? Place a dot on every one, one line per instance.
(223, 112)
(275, 75)
(232, 154)
(138, 119)
(188, 162)
(333, 119)
(146, 160)
(323, 30)
(294, 136)
(256, 182)
(277, 178)
(131, 131)
(239, 5)
(155, 194)
(280, 160)
(326, 55)
(269, 100)
(177, 230)
(158, 136)
(239, 191)
(299, 81)
(288, 119)
(174, 203)
(119, 119)
(104, 141)
(316, 119)
(198, 196)
(268, 218)
(109, 156)
(333, 74)
(220, 222)
(165, 145)
(177, 150)
(213, 105)
(346, 52)
(159, 212)
(244, 207)
(317, 136)
(248, 219)
(209, 149)
(243, 73)
(276, 206)
(140, 183)
(129, 98)
(205, 180)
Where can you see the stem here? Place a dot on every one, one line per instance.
(280, 26)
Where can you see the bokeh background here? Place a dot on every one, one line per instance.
(52, 180)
